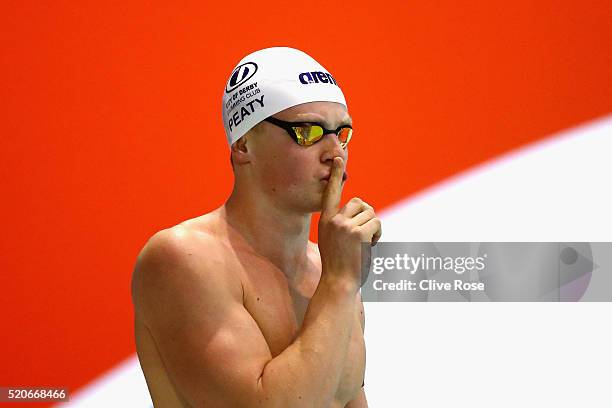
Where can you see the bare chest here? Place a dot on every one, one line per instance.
(279, 309)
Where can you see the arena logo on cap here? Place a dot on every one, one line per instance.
(241, 74)
(316, 77)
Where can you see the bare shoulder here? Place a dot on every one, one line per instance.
(181, 258)
(177, 243)
(186, 292)
(172, 245)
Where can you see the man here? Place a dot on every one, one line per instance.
(237, 308)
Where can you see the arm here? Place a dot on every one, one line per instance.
(360, 401)
(212, 348)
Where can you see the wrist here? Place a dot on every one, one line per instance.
(337, 282)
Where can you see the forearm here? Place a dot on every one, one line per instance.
(308, 372)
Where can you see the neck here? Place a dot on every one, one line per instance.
(271, 231)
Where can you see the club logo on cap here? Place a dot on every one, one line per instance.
(241, 74)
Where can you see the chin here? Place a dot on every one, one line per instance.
(308, 202)
(310, 206)
(313, 208)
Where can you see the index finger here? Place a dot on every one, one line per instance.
(333, 190)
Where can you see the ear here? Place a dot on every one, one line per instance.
(240, 151)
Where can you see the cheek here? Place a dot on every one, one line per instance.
(286, 170)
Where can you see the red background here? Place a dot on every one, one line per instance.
(111, 130)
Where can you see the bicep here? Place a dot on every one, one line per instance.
(210, 345)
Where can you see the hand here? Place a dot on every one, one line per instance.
(342, 231)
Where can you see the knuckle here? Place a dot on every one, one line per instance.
(356, 200)
(340, 223)
(347, 228)
(368, 206)
(374, 224)
(337, 220)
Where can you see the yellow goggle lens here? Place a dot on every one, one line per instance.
(308, 135)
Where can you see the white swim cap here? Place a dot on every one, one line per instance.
(268, 81)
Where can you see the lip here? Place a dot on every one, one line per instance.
(344, 177)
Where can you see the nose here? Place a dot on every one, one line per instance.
(331, 148)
